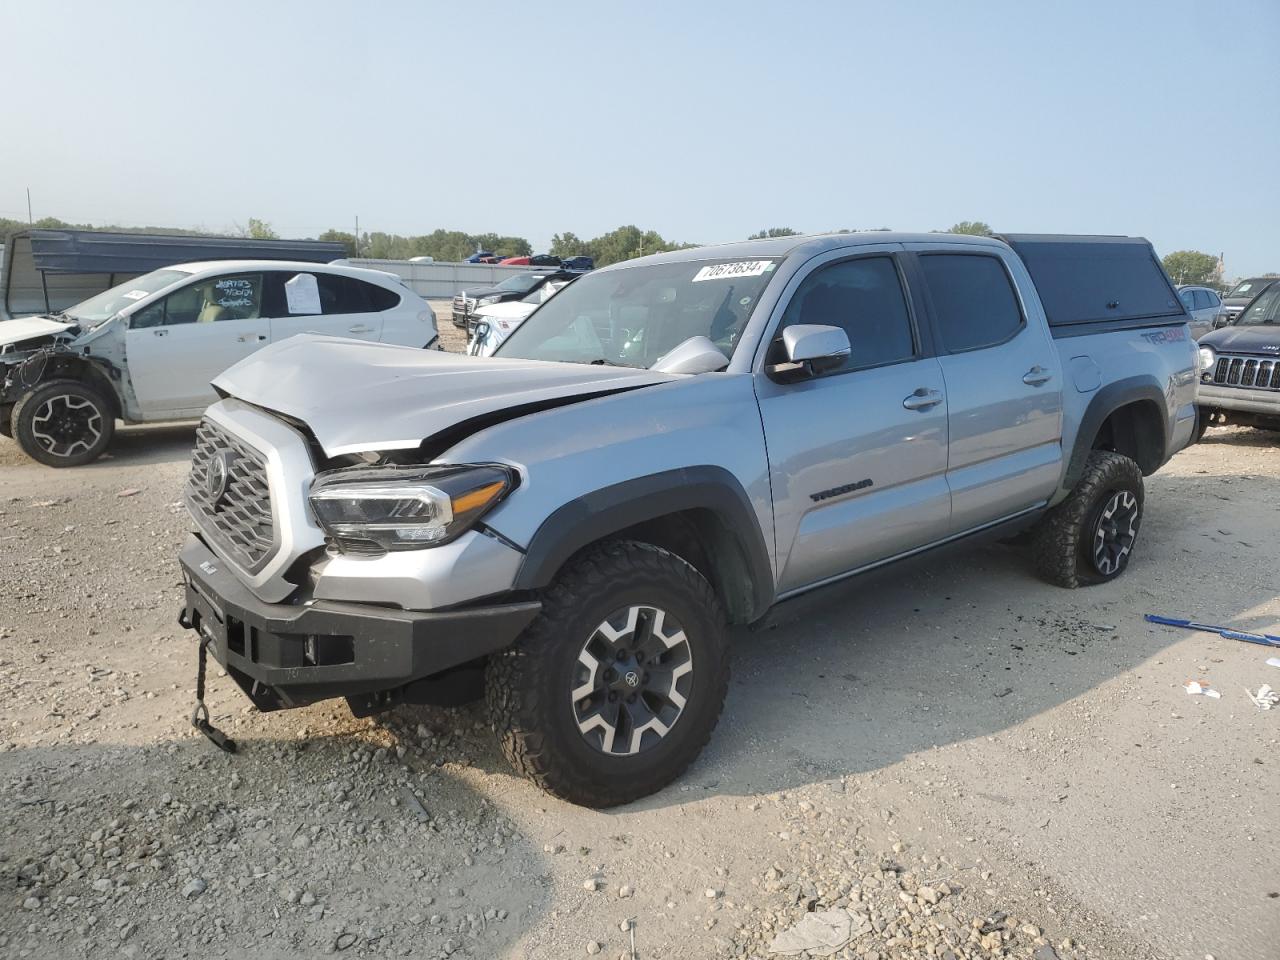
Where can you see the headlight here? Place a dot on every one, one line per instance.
(486, 301)
(375, 509)
(1207, 358)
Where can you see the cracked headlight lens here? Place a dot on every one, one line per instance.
(376, 509)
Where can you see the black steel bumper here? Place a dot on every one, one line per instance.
(289, 655)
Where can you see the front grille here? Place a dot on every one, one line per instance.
(1246, 372)
(237, 513)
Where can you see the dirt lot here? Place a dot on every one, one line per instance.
(966, 762)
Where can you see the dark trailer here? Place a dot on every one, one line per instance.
(47, 270)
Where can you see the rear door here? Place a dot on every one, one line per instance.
(175, 346)
(1003, 383)
(320, 302)
(857, 456)
(1206, 309)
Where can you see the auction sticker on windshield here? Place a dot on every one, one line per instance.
(728, 271)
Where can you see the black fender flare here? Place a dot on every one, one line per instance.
(609, 510)
(1106, 402)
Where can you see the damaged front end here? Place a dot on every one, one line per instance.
(36, 350)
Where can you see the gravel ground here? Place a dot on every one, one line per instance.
(947, 759)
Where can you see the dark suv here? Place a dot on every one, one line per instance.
(1240, 366)
(1244, 291)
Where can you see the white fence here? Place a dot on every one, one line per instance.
(437, 281)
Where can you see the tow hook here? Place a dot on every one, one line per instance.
(200, 715)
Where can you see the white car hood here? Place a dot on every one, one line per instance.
(356, 395)
(28, 328)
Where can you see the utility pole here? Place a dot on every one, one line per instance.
(29, 219)
(357, 234)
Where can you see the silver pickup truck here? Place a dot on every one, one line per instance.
(669, 447)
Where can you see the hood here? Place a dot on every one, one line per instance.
(355, 395)
(480, 292)
(511, 310)
(32, 328)
(1263, 339)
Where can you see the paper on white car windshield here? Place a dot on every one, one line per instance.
(302, 294)
(730, 271)
(136, 294)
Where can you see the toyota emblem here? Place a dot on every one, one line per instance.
(218, 476)
(632, 678)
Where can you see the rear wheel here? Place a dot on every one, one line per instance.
(1089, 537)
(615, 688)
(64, 423)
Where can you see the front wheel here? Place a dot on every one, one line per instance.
(616, 686)
(64, 423)
(1089, 537)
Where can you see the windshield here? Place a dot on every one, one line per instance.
(110, 302)
(1246, 289)
(634, 315)
(1264, 309)
(521, 282)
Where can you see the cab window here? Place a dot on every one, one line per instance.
(236, 297)
(864, 298)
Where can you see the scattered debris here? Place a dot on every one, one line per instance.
(1265, 698)
(129, 492)
(414, 804)
(1273, 662)
(819, 934)
(1201, 688)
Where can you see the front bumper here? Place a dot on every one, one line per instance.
(290, 655)
(1242, 399)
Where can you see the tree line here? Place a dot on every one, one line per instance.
(622, 243)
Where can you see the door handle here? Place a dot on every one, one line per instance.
(1036, 376)
(359, 328)
(251, 337)
(160, 333)
(922, 399)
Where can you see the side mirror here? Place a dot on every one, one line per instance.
(811, 349)
(1219, 321)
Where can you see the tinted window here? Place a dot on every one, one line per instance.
(862, 297)
(380, 298)
(237, 297)
(1203, 300)
(973, 300)
(1091, 280)
(1188, 298)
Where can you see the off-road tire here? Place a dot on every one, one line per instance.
(77, 391)
(1062, 542)
(528, 686)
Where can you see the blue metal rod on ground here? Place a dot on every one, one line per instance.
(1265, 639)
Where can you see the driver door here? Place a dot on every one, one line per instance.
(177, 345)
(857, 456)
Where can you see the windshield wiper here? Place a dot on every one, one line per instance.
(604, 362)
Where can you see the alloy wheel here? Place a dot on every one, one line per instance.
(65, 425)
(631, 680)
(1115, 532)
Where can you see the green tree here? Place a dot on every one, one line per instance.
(260, 230)
(1191, 266)
(567, 245)
(348, 240)
(974, 228)
(771, 232)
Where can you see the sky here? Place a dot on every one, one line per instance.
(705, 121)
